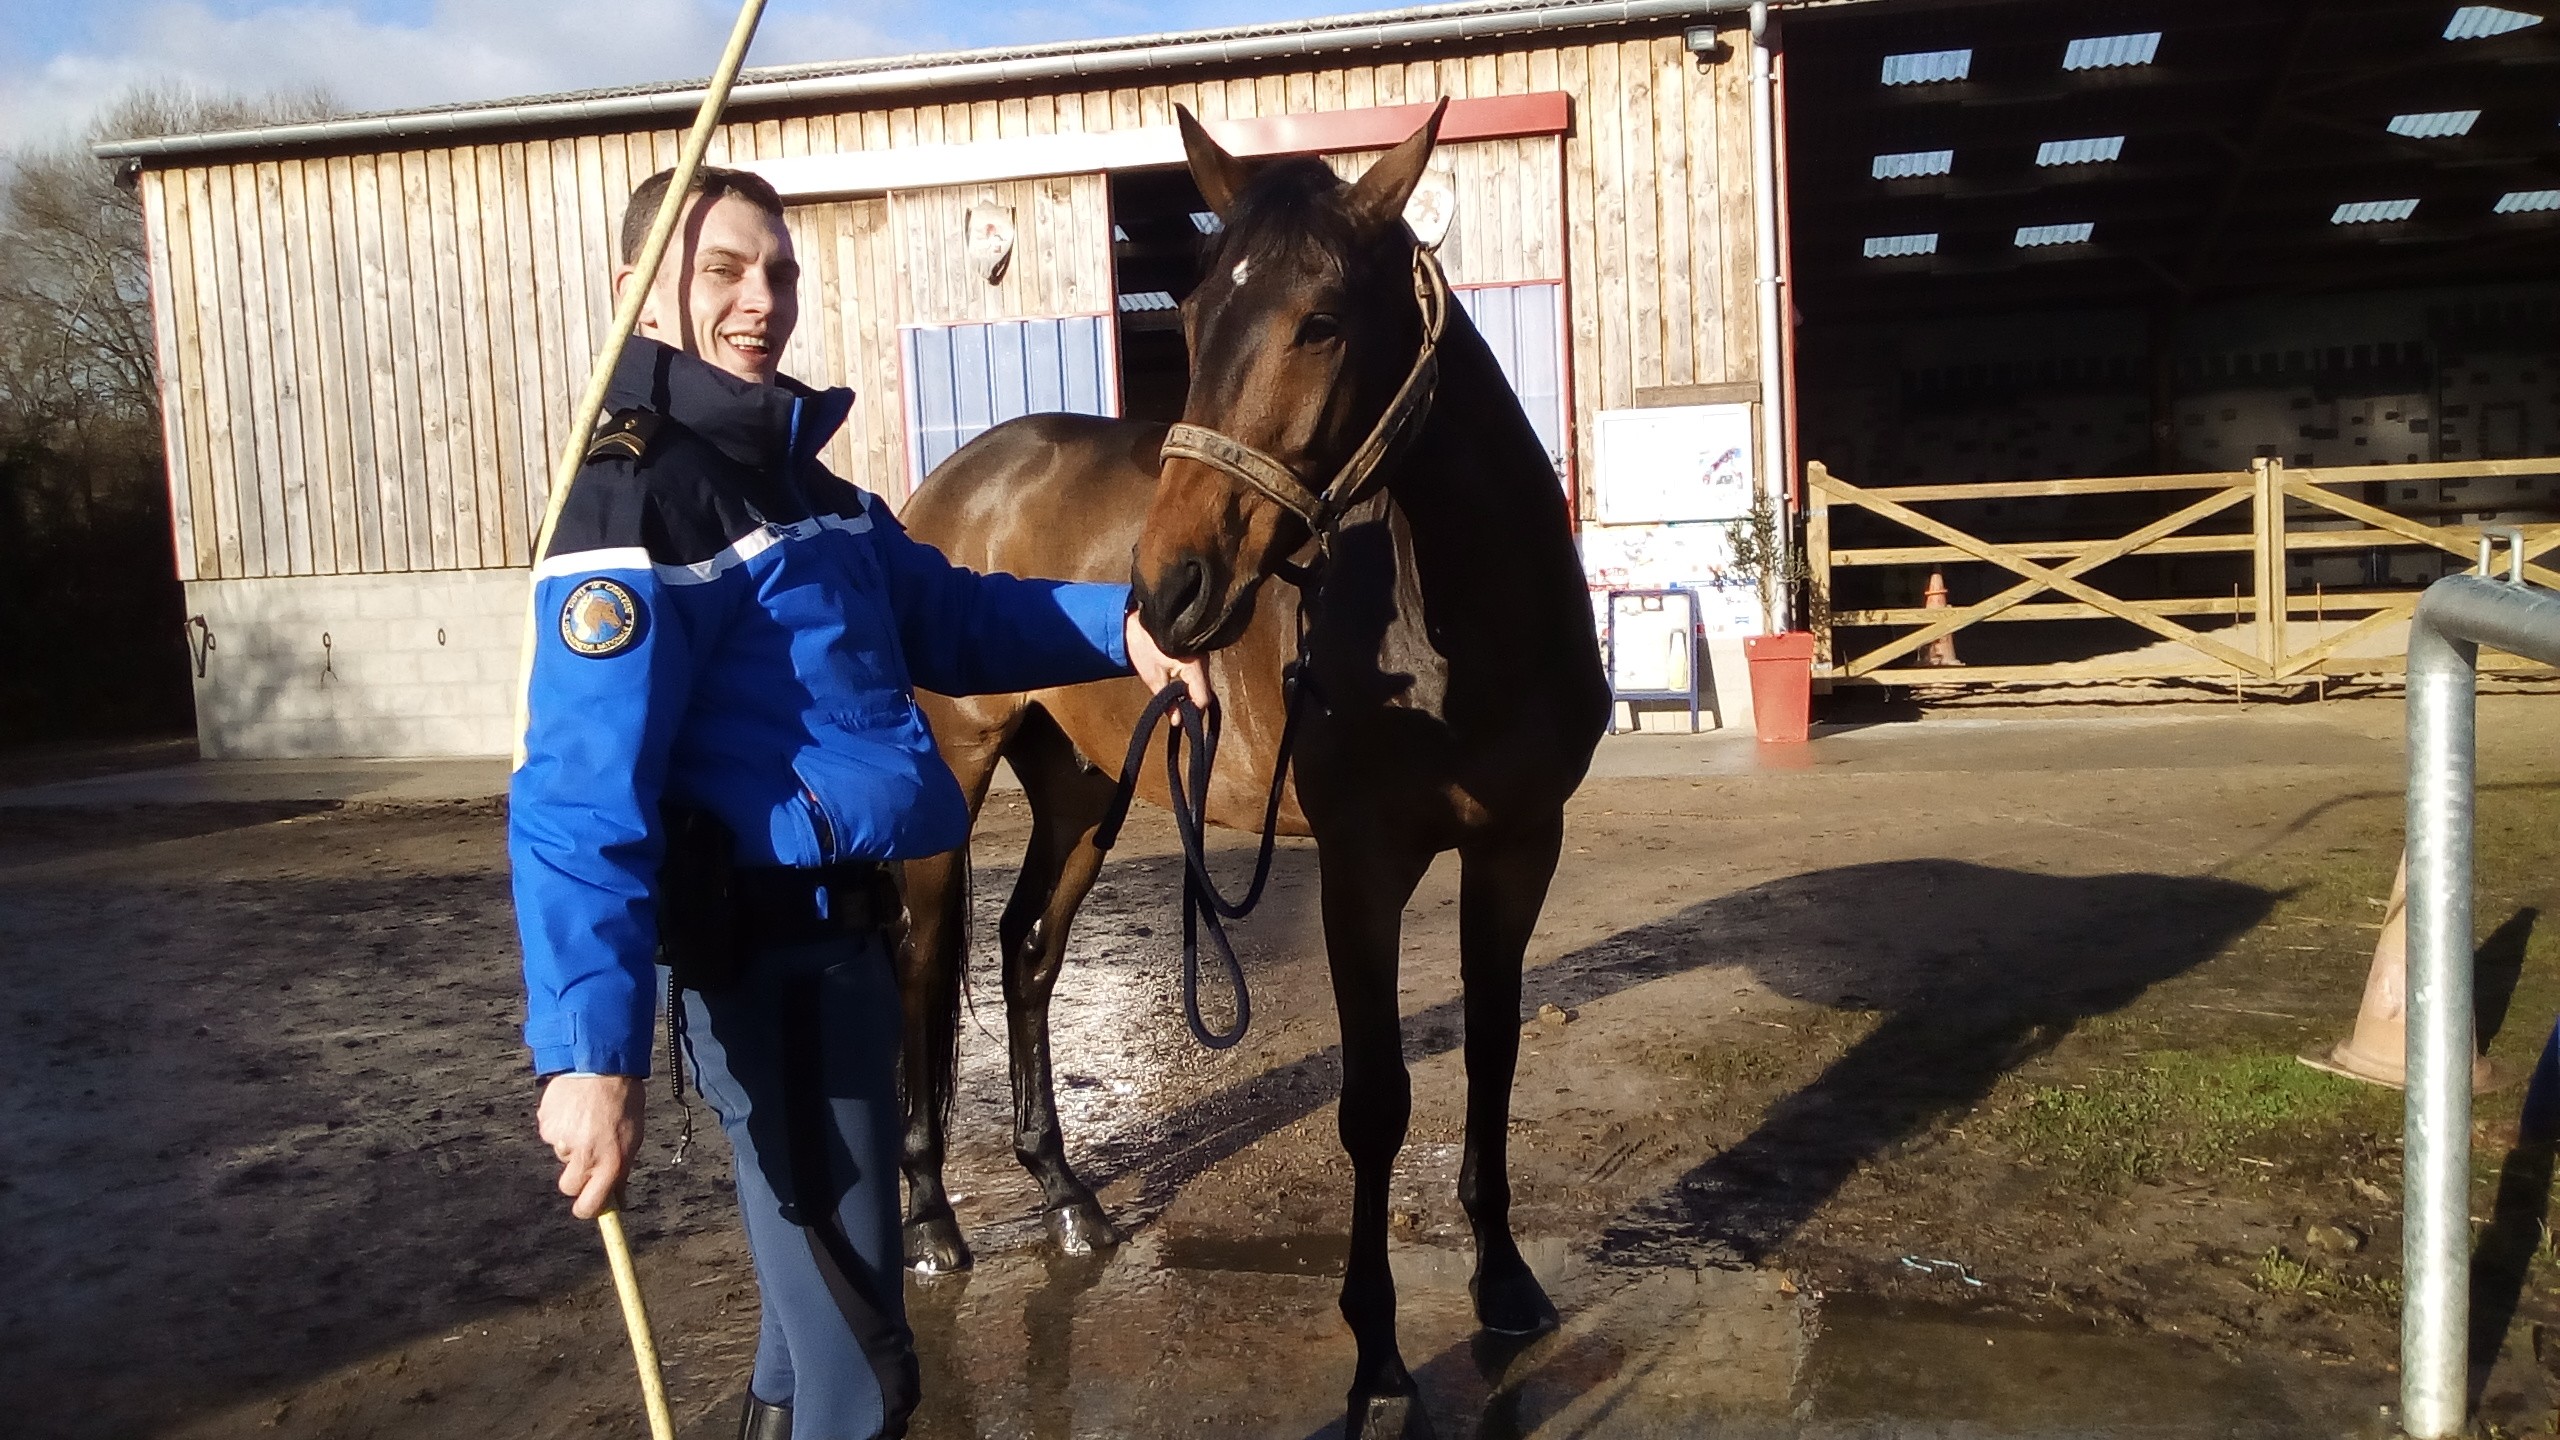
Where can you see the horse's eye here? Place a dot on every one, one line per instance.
(1319, 329)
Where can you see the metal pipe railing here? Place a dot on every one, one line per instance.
(2457, 616)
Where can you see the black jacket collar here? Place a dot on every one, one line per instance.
(749, 423)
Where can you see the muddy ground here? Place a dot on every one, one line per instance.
(1971, 1030)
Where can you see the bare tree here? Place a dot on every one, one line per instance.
(83, 505)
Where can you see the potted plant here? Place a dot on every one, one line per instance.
(1781, 660)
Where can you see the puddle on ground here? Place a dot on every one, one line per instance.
(1240, 1337)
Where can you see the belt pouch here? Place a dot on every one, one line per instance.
(701, 936)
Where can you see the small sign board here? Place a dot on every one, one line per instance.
(1674, 464)
(1695, 557)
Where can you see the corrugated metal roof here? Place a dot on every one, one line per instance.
(901, 74)
(1928, 67)
(2520, 202)
(1891, 247)
(2434, 124)
(2367, 212)
(1911, 164)
(2095, 151)
(2031, 236)
(2479, 22)
(1140, 300)
(2109, 52)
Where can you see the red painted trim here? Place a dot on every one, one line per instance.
(1380, 127)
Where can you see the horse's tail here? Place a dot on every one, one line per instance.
(964, 995)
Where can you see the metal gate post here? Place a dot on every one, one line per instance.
(2454, 619)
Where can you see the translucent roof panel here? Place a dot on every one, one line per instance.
(1927, 67)
(1912, 163)
(2367, 212)
(2479, 22)
(2434, 124)
(1141, 300)
(1206, 222)
(2031, 236)
(2521, 202)
(2109, 52)
(1889, 247)
(2095, 151)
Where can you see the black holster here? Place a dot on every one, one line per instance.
(702, 936)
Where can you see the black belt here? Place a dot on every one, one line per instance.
(783, 905)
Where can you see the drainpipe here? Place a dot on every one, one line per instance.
(1766, 285)
(2458, 615)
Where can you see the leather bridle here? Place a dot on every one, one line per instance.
(1324, 508)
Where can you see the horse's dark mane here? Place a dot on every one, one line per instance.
(1291, 209)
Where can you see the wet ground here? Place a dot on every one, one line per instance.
(1932, 1080)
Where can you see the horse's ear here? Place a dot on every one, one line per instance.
(1377, 199)
(1219, 175)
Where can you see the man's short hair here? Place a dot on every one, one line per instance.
(709, 181)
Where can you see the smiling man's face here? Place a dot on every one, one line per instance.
(729, 290)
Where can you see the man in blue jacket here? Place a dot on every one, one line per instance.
(729, 641)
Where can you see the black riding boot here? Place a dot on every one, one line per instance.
(764, 1422)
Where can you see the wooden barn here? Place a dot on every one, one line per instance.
(2181, 340)
(371, 330)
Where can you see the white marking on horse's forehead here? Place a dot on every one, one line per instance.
(1243, 270)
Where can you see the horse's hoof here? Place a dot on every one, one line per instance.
(1513, 1303)
(934, 1246)
(1081, 1228)
(1386, 1417)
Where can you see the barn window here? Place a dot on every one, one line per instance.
(1927, 67)
(1524, 328)
(1912, 164)
(2479, 22)
(2032, 236)
(963, 380)
(2434, 124)
(2096, 151)
(2110, 52)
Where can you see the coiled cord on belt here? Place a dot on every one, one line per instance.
(1203, 904)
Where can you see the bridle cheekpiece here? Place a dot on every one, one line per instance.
(1323, 509)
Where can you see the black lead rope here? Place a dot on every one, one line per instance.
(1202, 902)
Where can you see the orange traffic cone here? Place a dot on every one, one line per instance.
(2377, 1053)
(1941, 651)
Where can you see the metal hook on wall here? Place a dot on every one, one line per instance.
(200, 646)
(328, 658)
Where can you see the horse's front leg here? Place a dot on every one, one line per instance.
(1366, 885)
(1501, 890)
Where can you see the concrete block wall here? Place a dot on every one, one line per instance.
(359, 665)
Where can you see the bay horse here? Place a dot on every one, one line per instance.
(1345, 426)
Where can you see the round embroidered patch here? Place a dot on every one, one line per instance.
(601, 618)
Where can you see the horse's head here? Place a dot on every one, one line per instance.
(1301, 331)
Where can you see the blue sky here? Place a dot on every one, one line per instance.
(62, 60)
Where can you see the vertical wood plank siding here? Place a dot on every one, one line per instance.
(365, 358)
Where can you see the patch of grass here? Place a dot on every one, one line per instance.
(2177, 1111)
(2278, 1273)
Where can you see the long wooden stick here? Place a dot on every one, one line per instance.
(626, 318)
(635, 1318)
(573, 450)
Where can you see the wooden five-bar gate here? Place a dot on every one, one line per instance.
(2251, 644)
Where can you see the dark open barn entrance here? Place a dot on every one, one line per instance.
(2038, 246)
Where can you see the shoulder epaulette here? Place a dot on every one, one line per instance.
(627, 435)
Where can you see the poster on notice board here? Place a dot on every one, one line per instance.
(1674, 464)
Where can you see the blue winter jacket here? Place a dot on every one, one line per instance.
(724, 623)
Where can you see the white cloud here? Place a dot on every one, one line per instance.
(463, 50)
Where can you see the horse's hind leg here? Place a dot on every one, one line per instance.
(930, 966)
(1067, 799)
(1501, 888)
